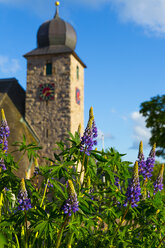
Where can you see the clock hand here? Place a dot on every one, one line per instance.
(47, 91)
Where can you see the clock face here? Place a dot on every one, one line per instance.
(46, 92)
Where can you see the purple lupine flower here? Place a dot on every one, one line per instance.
(23, 200)
(4, 132)
(49, 184)
(116, 181)
(94, 130)
(36, 168)
(36, 171)
(134, 190)
(141, 161)
(148, 194)
(158, 184)
(147, 173)
(71, 204)
(2, 164)
(88, 140)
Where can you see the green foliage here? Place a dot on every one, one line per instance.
(154, 111)
(101, 221)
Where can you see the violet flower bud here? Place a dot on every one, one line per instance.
(71, 204)
(158, 184)
(23, 200)
(4, 132)
(141, 162)
(134, 190)
(90, 134)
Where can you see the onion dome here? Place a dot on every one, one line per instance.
(56, 32)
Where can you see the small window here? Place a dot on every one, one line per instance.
(77, 73)
(49, 69)
(47, 133)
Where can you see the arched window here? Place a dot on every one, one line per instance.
(77, 72)
(49, 69)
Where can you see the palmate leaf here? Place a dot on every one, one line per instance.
(74, 139)
(57, 157)
(98, 157)
(60, 145)
(41, 227)
(57, 186)
(2, 241)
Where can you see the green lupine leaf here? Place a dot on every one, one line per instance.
(98, 157)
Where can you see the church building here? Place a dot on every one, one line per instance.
(53, 103)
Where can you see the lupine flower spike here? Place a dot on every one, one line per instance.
(79, 130)
(158, 184)
(134, 190)
(71, 204)
(116, 178)
(150, 163)
(90, 134)
(4, 133)
(141, 162)
(23, 200)
(36, 168)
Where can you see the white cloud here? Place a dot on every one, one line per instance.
(8, 66)
(140, 132)
(146, 13)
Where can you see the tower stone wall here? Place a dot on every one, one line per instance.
(51, 120)
(77, 110)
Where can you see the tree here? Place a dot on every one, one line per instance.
(154, 112)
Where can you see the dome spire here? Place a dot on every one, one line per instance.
(57, 3)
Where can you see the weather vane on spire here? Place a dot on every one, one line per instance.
(57, 3)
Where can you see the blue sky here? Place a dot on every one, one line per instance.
(122, 42)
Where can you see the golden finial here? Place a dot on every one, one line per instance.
(57, 3)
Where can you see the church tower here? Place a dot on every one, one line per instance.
(55, 84)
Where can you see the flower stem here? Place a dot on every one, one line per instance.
(82, 168)
(160, 242)
(1, 204)
(44, 193)
(61, 232)
(120, 223)
(26, 231)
